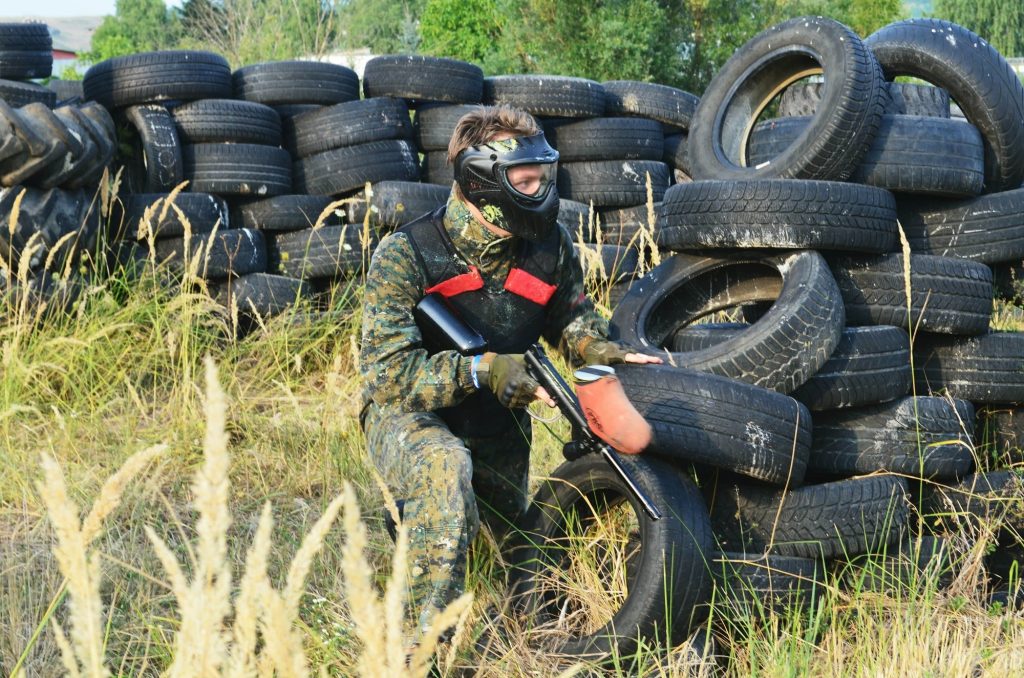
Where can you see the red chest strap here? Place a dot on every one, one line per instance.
(518, 282)
(529, 286)
(465, 282)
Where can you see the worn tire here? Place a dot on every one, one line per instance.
(917, 437)
(910, 154)
(976, 76)
(212, 121)
(227, 253)
(435, 123)
(720, 422)
(777, 213)
(988, 229)
(423, 78)
(622, 226)
(948, 295)
(238, 169)
(66, 91)
(348, 124)
(668, 580)
(159, 149)
(994, 495)
(677, 153)
(904, 99)
(435, 169)
(781, 351)
(96, 121)
(836, 139)
(551, 95)
(282, 83)
(665, 104)
(982, 369)
(79, 151)
(839, 519)
(755, 584)
(26, 51)
(869, 365)
(347, 169)
(53, 226)
(328, 252)
(608, 139)
(609, 263)
(158, 76)
(396, 203)
(261, 294)
(202, 212)
(17, 94)
(613, 183)
(284, 213)
(999, 434)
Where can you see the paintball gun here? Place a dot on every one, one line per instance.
(592, 432)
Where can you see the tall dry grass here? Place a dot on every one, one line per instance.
(250, 532)
(220, 632)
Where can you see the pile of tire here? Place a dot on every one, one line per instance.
(52, 159)
(812, 423)
(785, 312)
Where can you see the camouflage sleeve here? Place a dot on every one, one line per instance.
(395, 368)
(572, 319)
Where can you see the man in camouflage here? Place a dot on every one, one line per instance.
(434, 422)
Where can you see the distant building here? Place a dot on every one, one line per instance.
(63, 59)
(353, 58)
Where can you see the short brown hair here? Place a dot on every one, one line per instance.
(485, 123)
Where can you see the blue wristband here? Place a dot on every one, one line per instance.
(472, 370)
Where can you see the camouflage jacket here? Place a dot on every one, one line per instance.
(397, 370)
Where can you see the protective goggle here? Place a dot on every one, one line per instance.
(529, 180)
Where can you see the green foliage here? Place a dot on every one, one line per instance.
(136, 26)
(714, 29)
(613, 39)
(460, 29)
(863, 16)
(998, 21)
(385, 26)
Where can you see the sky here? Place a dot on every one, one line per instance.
(61, 7)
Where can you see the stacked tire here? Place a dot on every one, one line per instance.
(51, 163)
(788, 240)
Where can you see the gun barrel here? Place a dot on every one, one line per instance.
(541, 369)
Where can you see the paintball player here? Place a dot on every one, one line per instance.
(450, 433)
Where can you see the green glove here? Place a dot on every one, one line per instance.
(601, 352)
(505, 375)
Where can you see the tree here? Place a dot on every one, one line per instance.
(461, 29)
(250, 31)
(1001, 23)
(136, 26)
(863, 16)
(384, 26)
(713, 30)
(603, 40)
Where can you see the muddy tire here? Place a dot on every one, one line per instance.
(947, 295)
(829, 520)
(922, 437)
(715, 421)
(665, 572)
(781, 351)
(838, 136)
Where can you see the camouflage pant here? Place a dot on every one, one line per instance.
(442, 479)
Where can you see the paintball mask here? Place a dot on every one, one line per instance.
(525, 205)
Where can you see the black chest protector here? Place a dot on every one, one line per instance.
(511, 317)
